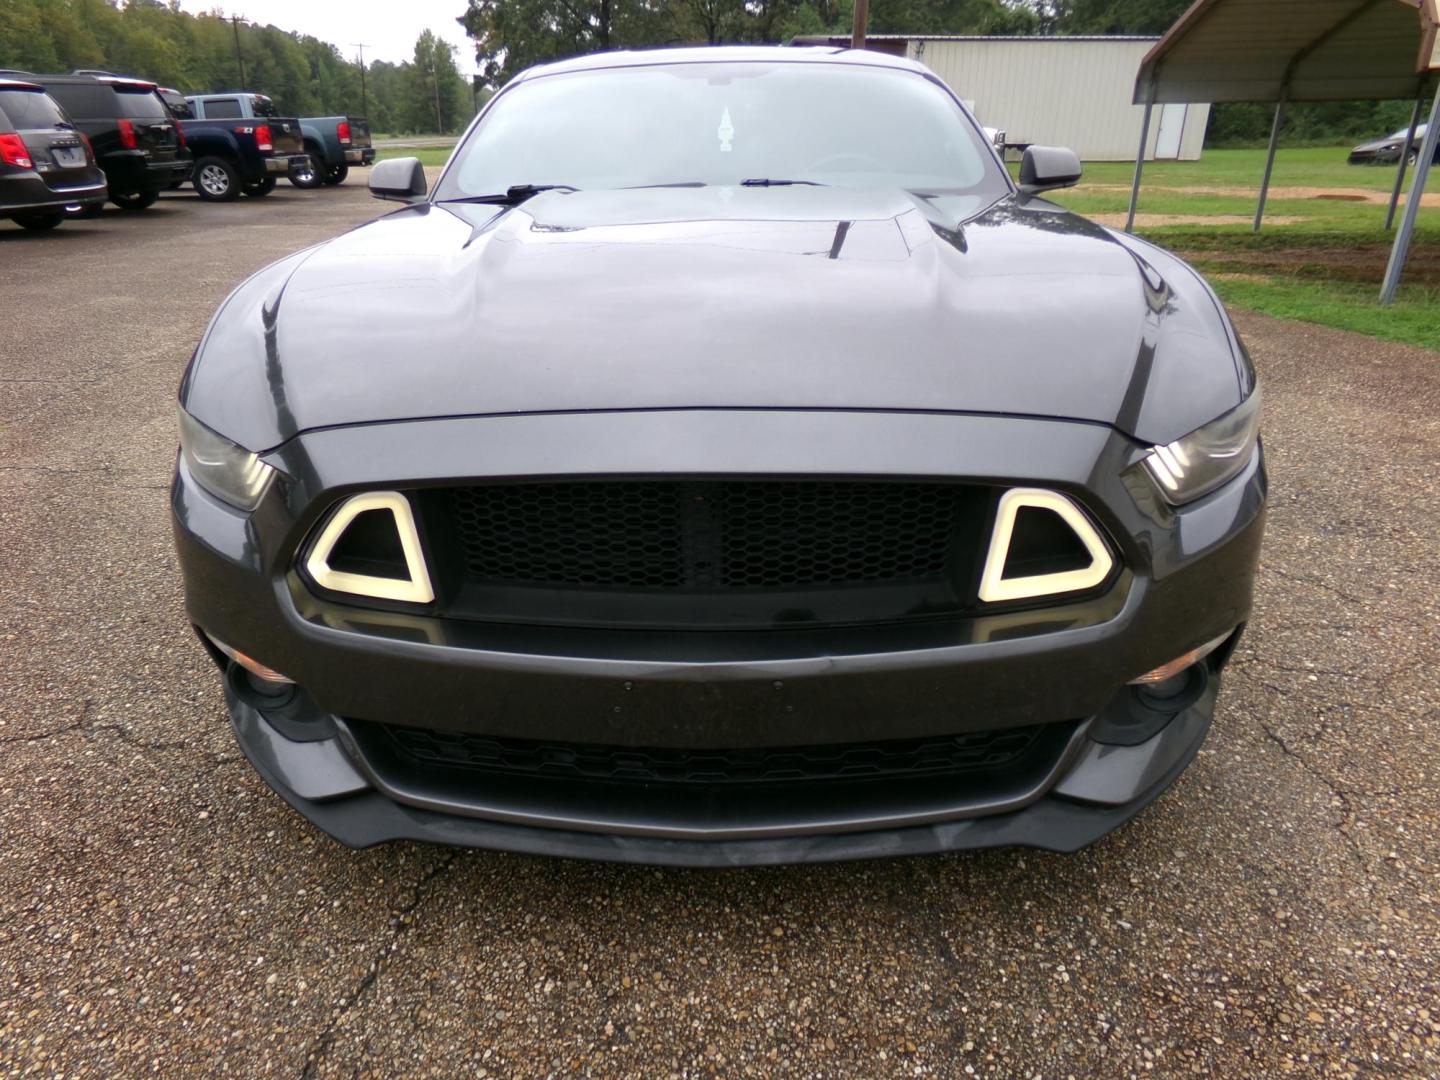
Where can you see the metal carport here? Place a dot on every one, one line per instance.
(1302, 50)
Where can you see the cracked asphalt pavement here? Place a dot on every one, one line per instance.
(162, 913)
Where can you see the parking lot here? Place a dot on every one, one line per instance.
(161, 911)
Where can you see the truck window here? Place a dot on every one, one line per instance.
(221, 108)
(260, 105)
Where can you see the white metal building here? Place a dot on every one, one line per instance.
(1054, 91)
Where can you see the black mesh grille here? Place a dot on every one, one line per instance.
(951, 755)
(707, 536)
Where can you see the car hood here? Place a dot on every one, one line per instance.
(804, 298)
(1376, 145)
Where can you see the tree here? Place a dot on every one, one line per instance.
(511, 35)
(438, 99)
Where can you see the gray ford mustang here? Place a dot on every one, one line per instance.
(726, 462)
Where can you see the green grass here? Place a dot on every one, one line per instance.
(1319, 260)
(428, 155)
(1412, 319)
(1311, 166)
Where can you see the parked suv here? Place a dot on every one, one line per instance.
(136, 141)
(46, 166)
(241, 143)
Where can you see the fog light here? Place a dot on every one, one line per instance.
(253, 666)
(1169, 671)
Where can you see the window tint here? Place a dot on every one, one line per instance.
(30, 109)
(142, 105)
(84, 101)
(222, 108)
(260, 105)
(847, 125)
(178, 106)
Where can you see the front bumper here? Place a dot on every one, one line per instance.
(1188, 578)
(1101, 788)
(364, 155)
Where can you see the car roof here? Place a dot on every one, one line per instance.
(112, 81)
(19, 84)
(726, 54)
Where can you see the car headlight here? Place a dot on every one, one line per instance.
(1196, 464)
(229, 472)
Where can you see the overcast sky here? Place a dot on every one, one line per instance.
(388, 29)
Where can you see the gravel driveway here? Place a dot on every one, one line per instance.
(161, 911)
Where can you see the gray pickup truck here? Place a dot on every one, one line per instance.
(331, 143)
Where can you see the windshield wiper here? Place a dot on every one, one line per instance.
(765, 181)
(513, 195)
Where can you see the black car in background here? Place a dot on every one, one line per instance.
(46, 166)
(136, 140)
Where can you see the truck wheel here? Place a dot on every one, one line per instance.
(335, 174)
(260, 188)
(311, 173)
(215, 180)
(136, 200)
(39, 222)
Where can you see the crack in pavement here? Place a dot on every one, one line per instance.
(400, 925)
(92, 730)
(1262, 661)
(1317, 584)
(1338, 793)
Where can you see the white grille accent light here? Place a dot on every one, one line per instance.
(416, 589)
(995, 587)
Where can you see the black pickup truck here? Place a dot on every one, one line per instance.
(239, 145)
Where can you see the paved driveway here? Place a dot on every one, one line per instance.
(161, 911)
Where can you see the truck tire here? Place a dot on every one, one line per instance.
(39, 222)
(312, 174)
(335, 174)
(258, 189)
(215, 180)
(135, 200)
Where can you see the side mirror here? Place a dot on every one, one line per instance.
(400, 179)
(1044, 168)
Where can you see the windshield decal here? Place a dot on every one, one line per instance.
(726, 131)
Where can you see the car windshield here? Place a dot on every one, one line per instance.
(1419, 132)
(726, 123)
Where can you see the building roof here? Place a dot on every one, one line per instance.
(1313, 50)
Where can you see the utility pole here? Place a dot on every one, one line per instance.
(240, 56)
(435, 70)
(364, 101)
(862, 16)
